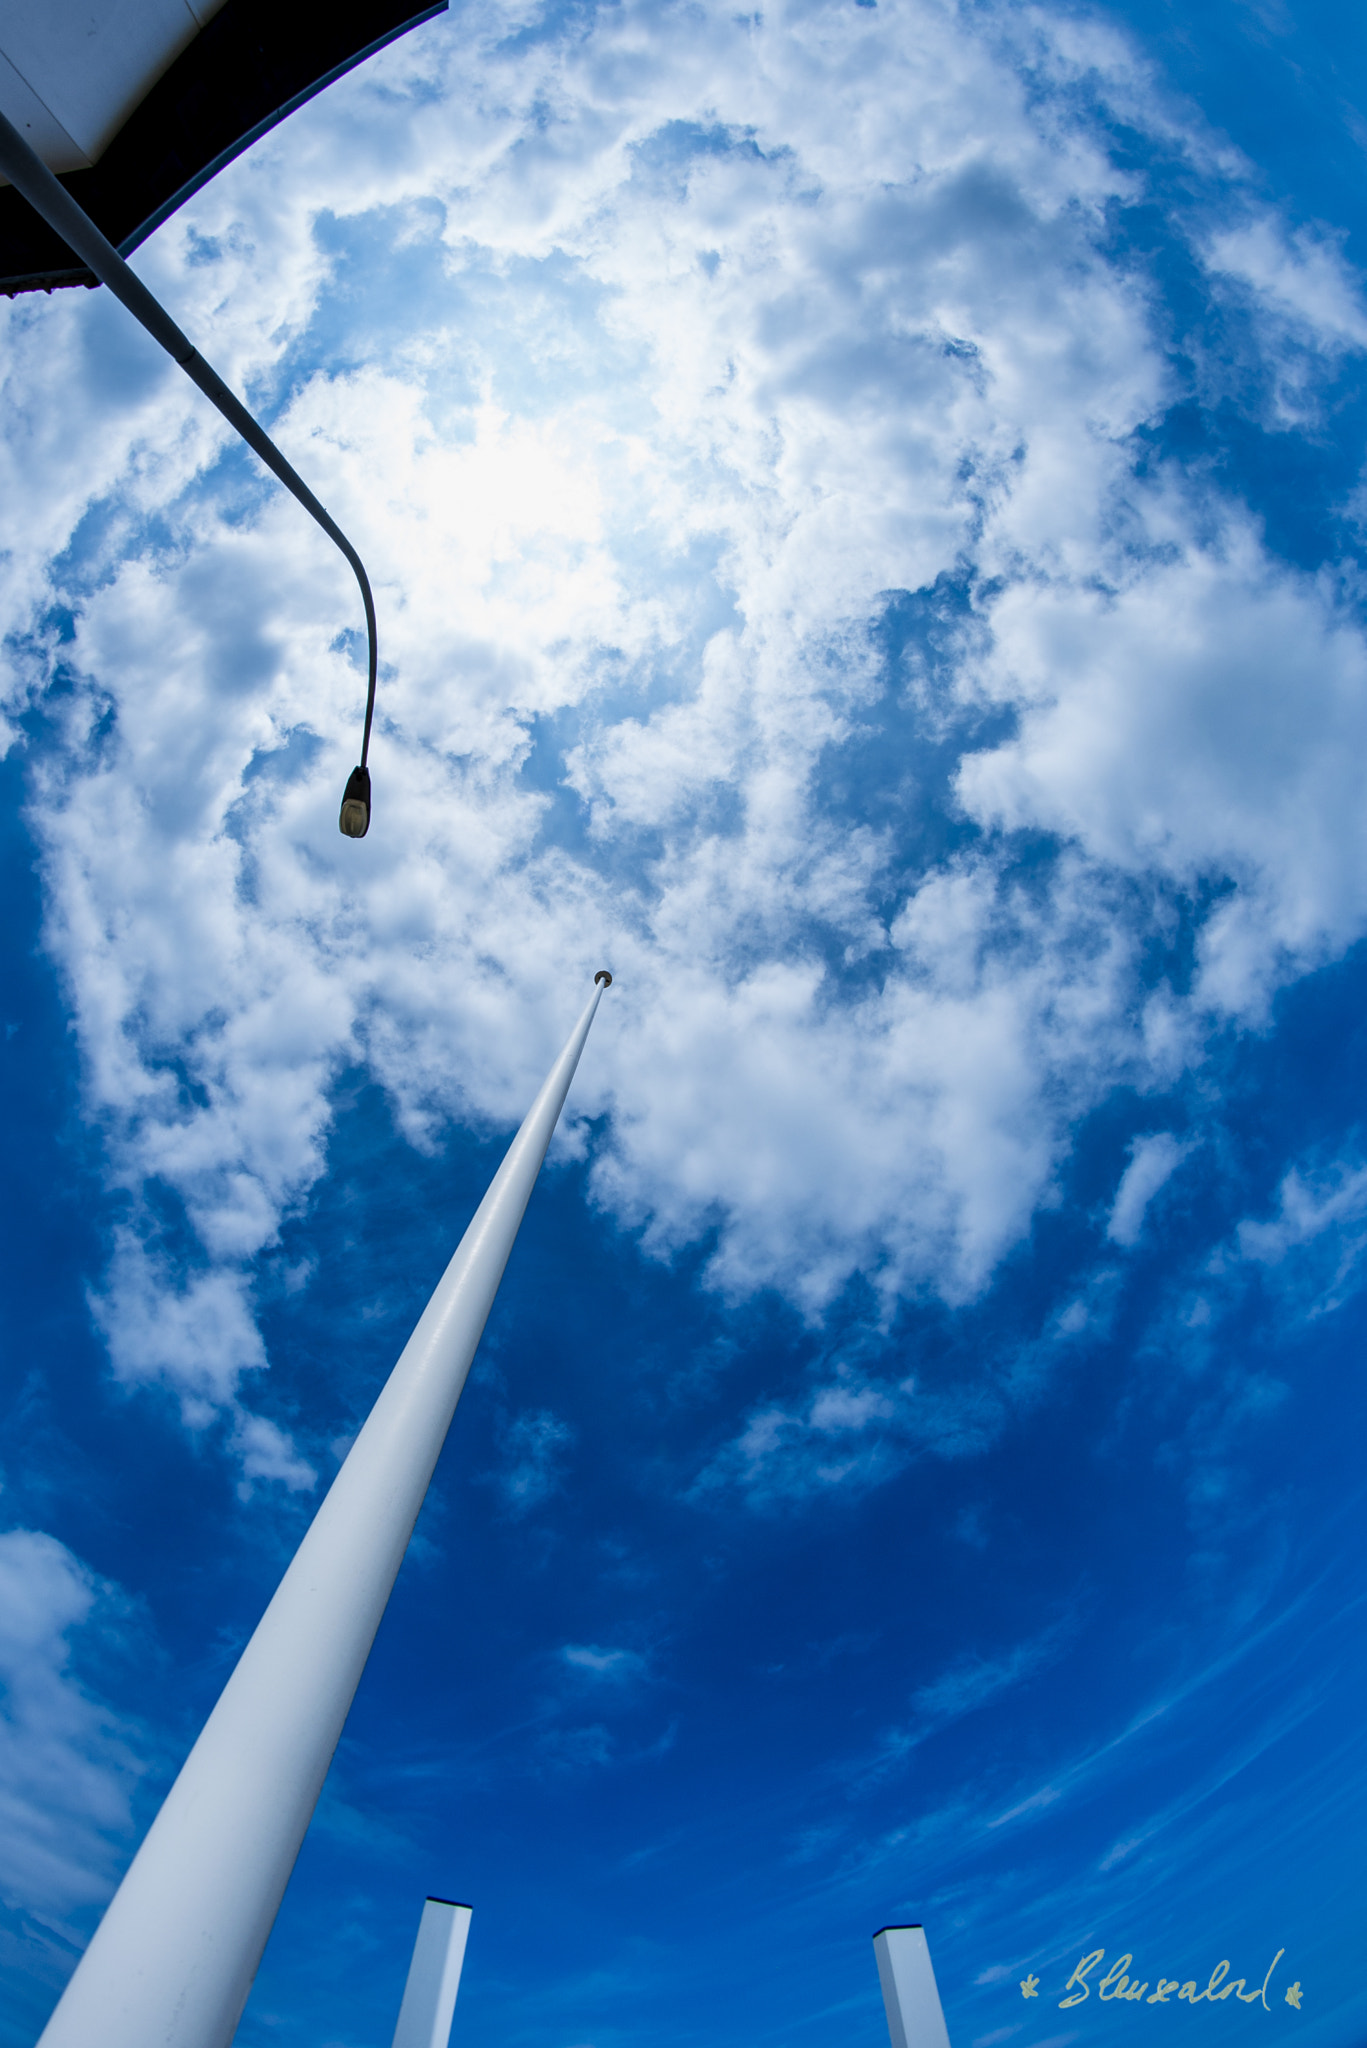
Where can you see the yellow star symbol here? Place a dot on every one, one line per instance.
(1030, 1987)
(1293, 1994)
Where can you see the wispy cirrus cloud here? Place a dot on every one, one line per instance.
(614, 1667)
(1153, 1161)
(965, 1686)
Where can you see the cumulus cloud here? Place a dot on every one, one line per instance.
(1196, 723)
(777, 602)
(267, 1452)
(197, 1335)
(1305, 271)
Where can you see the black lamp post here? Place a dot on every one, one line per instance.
(30, 175)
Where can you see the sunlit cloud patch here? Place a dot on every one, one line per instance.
(755, 431)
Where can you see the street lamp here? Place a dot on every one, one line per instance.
(28, 173)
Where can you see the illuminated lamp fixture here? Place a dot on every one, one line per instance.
(355, 818)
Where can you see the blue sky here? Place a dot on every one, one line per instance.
(866, 506)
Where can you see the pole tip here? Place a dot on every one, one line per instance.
(603, 976)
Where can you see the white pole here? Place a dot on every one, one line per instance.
(429, 1996)
(910, 1997)
(173, 1959)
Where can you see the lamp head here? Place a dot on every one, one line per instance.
(355, 818)
(604, 977)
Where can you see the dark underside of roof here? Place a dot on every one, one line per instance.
(255, 62)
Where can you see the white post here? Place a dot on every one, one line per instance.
(912, 2002)
(429, 1996)
(173, 1959)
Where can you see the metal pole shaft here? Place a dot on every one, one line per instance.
(429, 1996)
(911, 1997)
(173, 1959)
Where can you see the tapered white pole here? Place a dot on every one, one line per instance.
(173, 1959)
(911, 1998)
(429, 1996)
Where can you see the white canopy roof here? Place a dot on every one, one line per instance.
(72, 71)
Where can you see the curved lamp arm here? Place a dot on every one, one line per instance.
(28, 174)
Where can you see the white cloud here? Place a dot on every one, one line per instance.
(67, 1772)
(198, 1336)
(534, 1445)
(853, 1430)
(1308, 1204)
(266, 1452)
(1306, 1259)
(1303, 274)
(1198, 724)
(1315, 1246)
(715, 332)
(970, 1683)
(1153, 1161)
(616, 1666)
(782, 1454)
